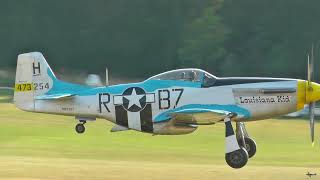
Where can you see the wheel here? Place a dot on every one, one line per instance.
(80, 128)
(251, 146)
(237, 159)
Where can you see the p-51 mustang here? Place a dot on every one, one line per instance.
(171, 103)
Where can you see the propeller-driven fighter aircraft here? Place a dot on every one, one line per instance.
(171, 103)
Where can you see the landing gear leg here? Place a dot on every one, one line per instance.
(236, 156)
(244, 140)
(80, 127)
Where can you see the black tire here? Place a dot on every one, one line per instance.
(80, 128)
(237, 159)
(251, 146)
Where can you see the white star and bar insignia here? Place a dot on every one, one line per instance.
(134, 99)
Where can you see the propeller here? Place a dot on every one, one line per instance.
(311, 112)
(310, 89)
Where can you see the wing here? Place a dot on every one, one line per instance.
(202, 118)
(54, 96)
(117, 128)
(201, 114)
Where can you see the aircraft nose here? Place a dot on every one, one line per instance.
(307, 93)
(312, 92)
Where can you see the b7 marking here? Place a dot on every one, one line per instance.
(165, 98)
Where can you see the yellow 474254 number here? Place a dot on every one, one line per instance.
(23, 87)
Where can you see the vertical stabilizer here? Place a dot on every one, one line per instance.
(34, 77)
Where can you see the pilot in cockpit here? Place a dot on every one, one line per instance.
(188, 76)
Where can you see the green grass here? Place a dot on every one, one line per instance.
(40, 146)
(6, 96)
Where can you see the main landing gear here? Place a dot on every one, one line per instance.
(239, 147)
(244, 140)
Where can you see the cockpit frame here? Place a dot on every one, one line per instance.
(191, 74)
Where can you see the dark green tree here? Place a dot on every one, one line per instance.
(203, 41)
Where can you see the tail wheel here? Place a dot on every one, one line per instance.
(237, 159)
(80, 128)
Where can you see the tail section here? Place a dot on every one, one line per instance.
(34, 77)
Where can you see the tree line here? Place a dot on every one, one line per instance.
(142, 37)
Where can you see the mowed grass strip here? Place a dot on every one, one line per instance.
(48, 143)
(61, 168)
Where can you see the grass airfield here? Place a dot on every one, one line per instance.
(39, 146)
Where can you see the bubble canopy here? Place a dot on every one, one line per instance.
(193, 75)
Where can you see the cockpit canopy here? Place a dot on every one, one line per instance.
(192, 75)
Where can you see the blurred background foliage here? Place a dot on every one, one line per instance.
(143, 37)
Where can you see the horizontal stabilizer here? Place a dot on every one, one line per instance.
(117, 128)
(6, 88)
(54, 96)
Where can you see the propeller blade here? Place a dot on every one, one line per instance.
(309, 70)
(312, 64)
(311, 113)
(310, 67)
